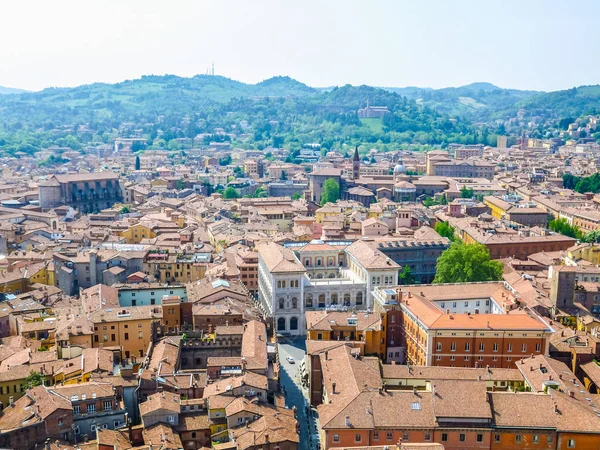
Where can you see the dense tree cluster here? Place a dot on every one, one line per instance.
(463, 263)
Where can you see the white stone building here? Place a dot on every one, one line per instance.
(319, 275)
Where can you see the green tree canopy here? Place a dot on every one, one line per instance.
(179, 185)
(331, 191)
(34, 379)
(137, 163)
(406, 276)
(591, 237)
(463, 263)
(445, 230)
(563, 227)
(230, 193)
(466, 192)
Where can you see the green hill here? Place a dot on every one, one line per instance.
(7, 90)
(573, 102)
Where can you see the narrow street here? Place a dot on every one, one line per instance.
(295, 394)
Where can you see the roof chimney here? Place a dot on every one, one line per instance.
(333, 387)
(347, 421)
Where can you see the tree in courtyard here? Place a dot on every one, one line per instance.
(406, 276)
(331, 191)
(179, 185)
(138, 164)
(445, 230)
(466, 192)
(230, 193)
(34, 379)
(563, 227)
(464, 263)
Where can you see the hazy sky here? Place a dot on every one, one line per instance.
(526, 44)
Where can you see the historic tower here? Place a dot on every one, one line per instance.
(355, 164)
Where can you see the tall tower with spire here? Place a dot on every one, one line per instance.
(355, 164)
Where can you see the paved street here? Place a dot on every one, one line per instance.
(295, 394)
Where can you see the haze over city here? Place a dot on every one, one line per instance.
(536, 45)
(272, 225)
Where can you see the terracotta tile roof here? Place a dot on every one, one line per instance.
(369, 256)
(161, 401)
(328, 321)
(225, 385)
(460, 399)
(194, 422)
(267, 430)
(398, 371)
(515, 410)
(254, 345)
(162, 436)
(279, 259)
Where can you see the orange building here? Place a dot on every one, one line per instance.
(131, 328)
(469, 325)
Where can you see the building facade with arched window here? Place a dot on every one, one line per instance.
(335, 275)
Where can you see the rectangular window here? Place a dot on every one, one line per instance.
(126, 336)
(538, 348)
(467, 347)
(444, 437)
(375, 435)
(107, 405)
(524, 348)
(91, 408)
(171, 419)
(480, 438)
(518, 438)
(389, 435)
(462, 437)
(481, 346)
(358, 437)
(509, 349)
(439, 346)
(405, 436)
(427, 436)
(571, 443)
(495, 346)
(549, 439)
(76, 409)
(496, 438)
(140, 334)
(453, 347)
(336, 438)
(536, 438)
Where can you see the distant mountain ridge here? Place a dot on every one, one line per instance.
(7, 90)
(479, 101)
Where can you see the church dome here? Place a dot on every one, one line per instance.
(400, 168)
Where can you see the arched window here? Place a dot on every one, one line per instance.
(332, 275)
(334, 299)
(319, 276)
(281, 324)
(346, 299)
(322, 301)
(281, 303)
(294, 302)
(359, 298)
(309, 300)
(294, 323)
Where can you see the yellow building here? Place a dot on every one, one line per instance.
(132, 328)
(137, 232)
(327, 211)
(586, 252)
(366, 328)
(19, 279)
(164, 267)
(499, 208)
